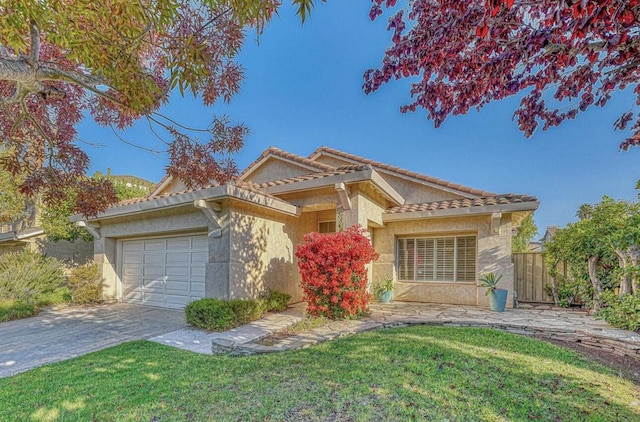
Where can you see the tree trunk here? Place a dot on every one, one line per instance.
(554, 290)
(625, 279)
(595, 281)
(634, 257)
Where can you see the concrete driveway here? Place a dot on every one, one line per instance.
(53, 336)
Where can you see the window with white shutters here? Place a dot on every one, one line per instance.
(448, 259)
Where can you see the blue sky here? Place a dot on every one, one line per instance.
(302, 89)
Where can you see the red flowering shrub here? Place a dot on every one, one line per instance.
(334, 277)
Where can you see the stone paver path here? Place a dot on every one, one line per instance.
(200, 341)
(56, 335)
(566, 325)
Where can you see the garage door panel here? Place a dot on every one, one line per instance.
(178, 258)
(135, 296)
(177, 286)
(167, 272)
(132, 258)
(178, 301)
(179, 243)
(153, 271)
(173, 271)
(200, 242)
(132, 271)
(199, 257)
(132, 246)
(197, 289)
(153, 298)
(197, 271)
(155, 245)
(153, 283)
(154, 258)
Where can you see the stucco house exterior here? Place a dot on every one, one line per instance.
(235, 240)
(27, 233)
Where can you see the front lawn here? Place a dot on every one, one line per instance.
(425, 373)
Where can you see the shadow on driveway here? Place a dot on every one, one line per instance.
(56, 335)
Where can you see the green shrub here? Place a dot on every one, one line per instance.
(10, 310)
(221, 315)
(275, 301)
(85, 283)
(622, 311)
(25, 275)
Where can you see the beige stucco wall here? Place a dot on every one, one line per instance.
(318, 199)
(71, 253)
(413, 192)
(276, 169)
(262, 255)
(494, 254)
(416, 193)
(364, 211)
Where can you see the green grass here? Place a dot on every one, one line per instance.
(18, 309)
(416, 373)
(11, 309)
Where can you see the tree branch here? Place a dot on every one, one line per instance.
(34, 53)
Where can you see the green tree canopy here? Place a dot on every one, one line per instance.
(526, 230)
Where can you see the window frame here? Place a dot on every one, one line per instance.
(335, 225)
(433, 237)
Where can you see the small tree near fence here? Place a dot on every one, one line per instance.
(334, 277)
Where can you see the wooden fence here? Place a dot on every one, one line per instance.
(531, 276)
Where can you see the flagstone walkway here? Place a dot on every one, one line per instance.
(560, 324)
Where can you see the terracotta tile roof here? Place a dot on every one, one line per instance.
(403, 172)
(251, 187)
(337, 171)
(157, 186)
(290, 156)
(449, 204)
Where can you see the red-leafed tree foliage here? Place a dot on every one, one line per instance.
(564, 55)
(117, 61)
(334, 277)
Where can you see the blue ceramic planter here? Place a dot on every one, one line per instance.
(386, 297)
(498, 300)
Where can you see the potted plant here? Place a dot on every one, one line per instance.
(383, 290)
(497, 297)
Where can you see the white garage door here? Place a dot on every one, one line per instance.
(166, 272)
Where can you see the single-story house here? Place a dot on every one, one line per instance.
(236, 240)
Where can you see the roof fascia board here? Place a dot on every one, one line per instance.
(259, 164)
(396, 174)
(166, 182)
(368, 174)
(461, 212)
(18, 237)
(187, 198)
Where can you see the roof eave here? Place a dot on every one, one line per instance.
(272, 154)
(20, 236)
(320, 151)
(182, 199)
(366, 175)
(461, 212)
